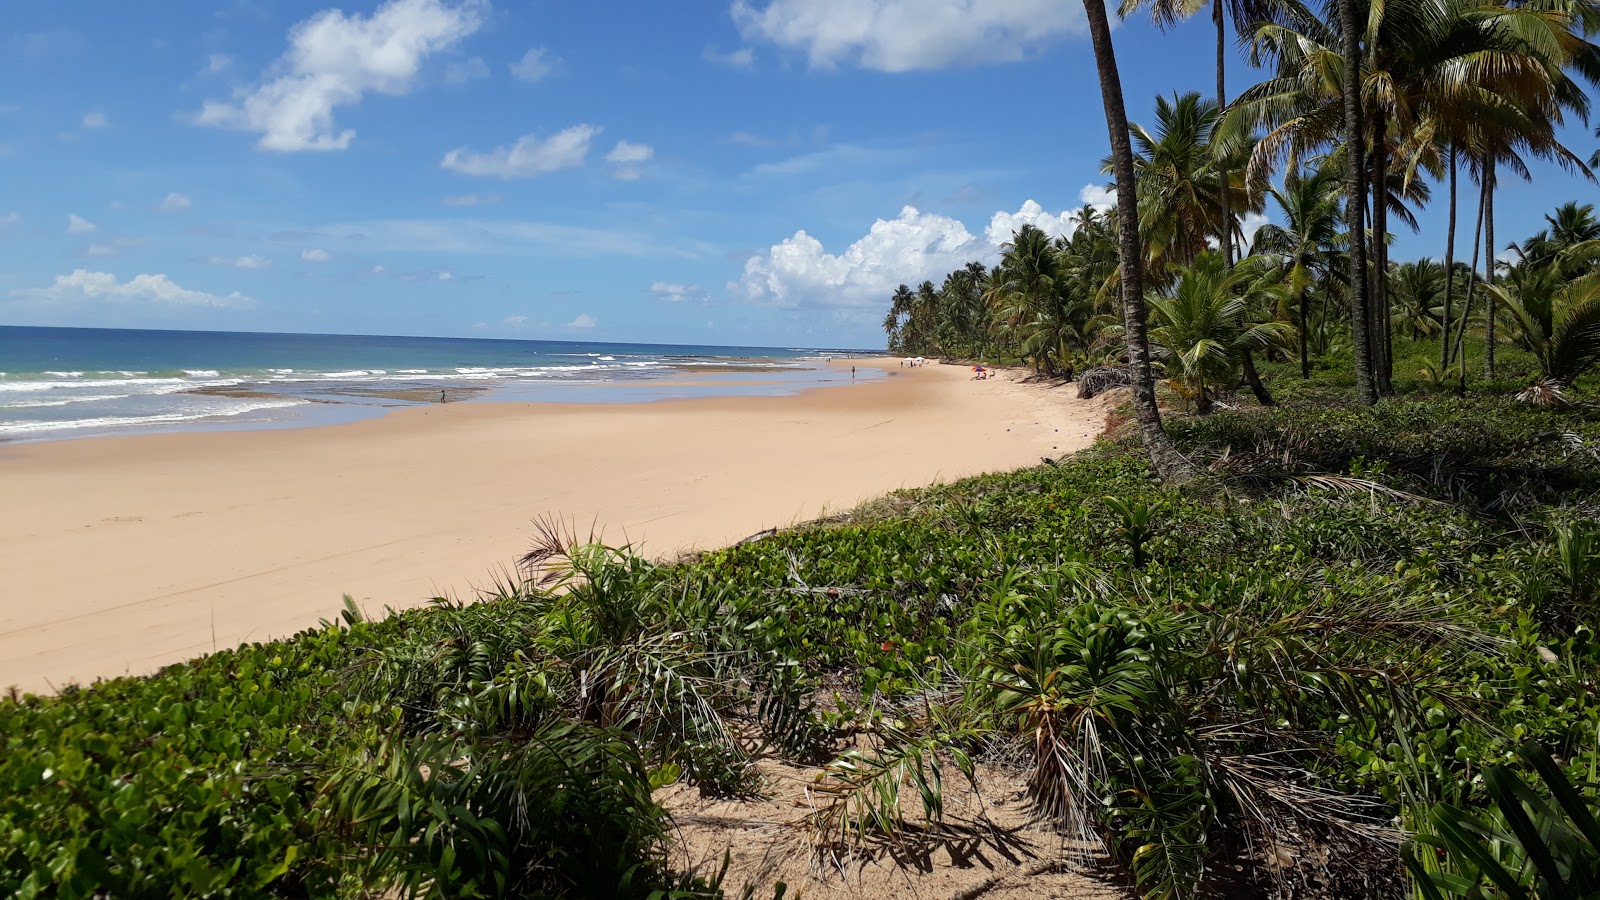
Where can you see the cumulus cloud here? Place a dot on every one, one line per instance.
(535, 65)
(1099, 196)
(334, 60)
(529, 156)
(1004, 224)
(175, 202)
(473, 200)
(316, 255)
(910, 248)
(77, 224)
(677, 293)
(237, 262)
(516, 321)
(95, 120)
(84, 285)
(906, 35)
(584, 320)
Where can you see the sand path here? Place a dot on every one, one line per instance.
(121, 554)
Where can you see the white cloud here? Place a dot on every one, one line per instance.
(584, 320)
(459, 73)
(217, 63)
(95, 120)
(77, 224)
(1250, 224)
(742, 58)
(1005, 225)
(904, 35)
(677, 293)
(237, 262)
(516, 321)
(175, 202)
(1099, 196)
(908, 249)
(315, 255)
(626, 152)
(378, 270)
(447, 276)
(83, 284)
(627, 157)
(474, 200)
(10, 218)
(528, 157)
(334, 60)
(535, 65)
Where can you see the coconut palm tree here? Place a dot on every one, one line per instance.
(1418, 289)
(1309, 206)
(1558, 322)
(1206, 327)
(1182, 178)
(1169, 464)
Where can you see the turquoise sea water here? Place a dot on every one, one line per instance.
(73, 382)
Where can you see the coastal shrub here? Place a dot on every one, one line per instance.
(1361, 615)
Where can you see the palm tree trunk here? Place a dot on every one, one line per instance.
(1383, 350)
(1449, 267)
(1226, 235)
(1466, 307)
(1305, 339)
(1253, 378)
(1355, 199)
(1168, 463)
(1488, 269)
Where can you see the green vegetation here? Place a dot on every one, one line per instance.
(1309, 648)
(1348, 623)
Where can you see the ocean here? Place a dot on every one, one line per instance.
(74, 382)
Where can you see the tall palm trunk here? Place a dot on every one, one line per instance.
(1449, 267)
(1355, 199)
(1226, 237)
(1488, 268)
(1383, 364)
(1305, 327)
(1169, 464)
(1466, 307)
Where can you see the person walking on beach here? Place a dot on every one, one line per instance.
(852, 373)
(441, 395)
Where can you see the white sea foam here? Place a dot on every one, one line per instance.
(212, 411)
(201, 373)
(35, 404)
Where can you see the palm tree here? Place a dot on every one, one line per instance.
(1206, 328)
(1182, 179)
(1168, 463)
(1309, 206)
(1418, 287)
(1245, 14)
(1558, 323)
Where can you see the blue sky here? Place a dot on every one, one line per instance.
(755, 172)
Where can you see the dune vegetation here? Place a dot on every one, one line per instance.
(1321, 625)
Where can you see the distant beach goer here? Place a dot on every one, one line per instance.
(852, 373)
(441, 395)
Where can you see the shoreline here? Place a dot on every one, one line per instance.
(127, 552)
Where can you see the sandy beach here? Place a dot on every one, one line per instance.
(122, 554)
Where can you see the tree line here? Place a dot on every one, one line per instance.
(1366, 112)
